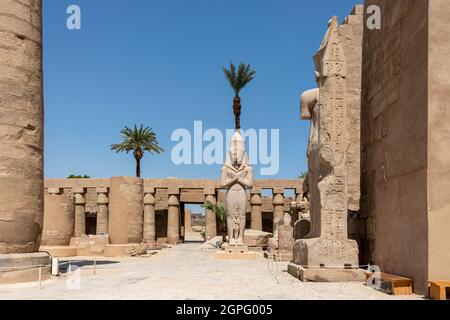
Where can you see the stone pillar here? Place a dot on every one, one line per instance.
(21, 141)
(149, 215)
(328, 246)
(187, 221)
(59, 218)
(278, 209)
(80, 211)
(126, 210)
(256, 203)
(21, 127)
(210, 217)
(286, 238)
(173, 220)
(102, 211)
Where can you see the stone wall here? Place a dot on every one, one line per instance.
(124, 216)
(405, 140)
(438, 140)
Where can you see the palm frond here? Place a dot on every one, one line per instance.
(138, 139)
(238, 80)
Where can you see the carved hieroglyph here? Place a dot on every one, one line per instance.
(237, 175)
(328, 243)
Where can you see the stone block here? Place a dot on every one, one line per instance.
(326, 274)
(22, 268)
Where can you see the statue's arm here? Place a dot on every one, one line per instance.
(248, 180)
(225, 180)
(308, 100)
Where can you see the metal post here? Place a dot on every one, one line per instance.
(40, 277)
(95, 264)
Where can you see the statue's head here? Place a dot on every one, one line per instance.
(236, 152)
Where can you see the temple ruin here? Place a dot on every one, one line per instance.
(378, 157)
(155, 210)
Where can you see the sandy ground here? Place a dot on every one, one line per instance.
(185, 272)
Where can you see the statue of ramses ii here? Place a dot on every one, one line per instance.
(237, 175)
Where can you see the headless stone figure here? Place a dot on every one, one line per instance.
(236, 176)
(310, 111)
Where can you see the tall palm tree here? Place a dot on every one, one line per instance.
(238, 80)
(138, 140)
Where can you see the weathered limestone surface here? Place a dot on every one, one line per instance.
(210, 216)
(21, 126)
(286, 236)
(328, 244)
(149, 234)
(102, 211)
(173, 220)
(187, 221)
(256, 238)
(59, 220)
(126, 210)
(405, 140)
(256, 213)
(80, 212)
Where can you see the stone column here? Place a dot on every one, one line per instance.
(187, 221)
(126, 210)
(21, 127)
(102, 211)
(59, 218)
(149, 215)
(256, 203)
(210, 217)
(80, 211)
(278, 209)
(21, 141)
(173, 220)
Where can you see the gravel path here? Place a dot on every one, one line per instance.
(184, 272)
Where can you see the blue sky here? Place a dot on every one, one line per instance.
(158, 62)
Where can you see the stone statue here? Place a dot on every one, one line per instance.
(327, 244)
(236, 176)
(310, 111)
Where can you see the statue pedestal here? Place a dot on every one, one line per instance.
(326, 253)
(236, 253)
(326, 260)
(279, 255)
(326, 275)
(232, 248)
(24, 267)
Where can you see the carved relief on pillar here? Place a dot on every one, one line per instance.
(328, 244)
(173, 220)
(80, 211)
(256, 204)
(278, 209)
(102, 210)
(149, 234)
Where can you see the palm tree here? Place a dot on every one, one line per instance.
(138, 140)
(221, 212)
(238, 80)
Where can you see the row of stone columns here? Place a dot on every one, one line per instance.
(80, 210)
(173, 224)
